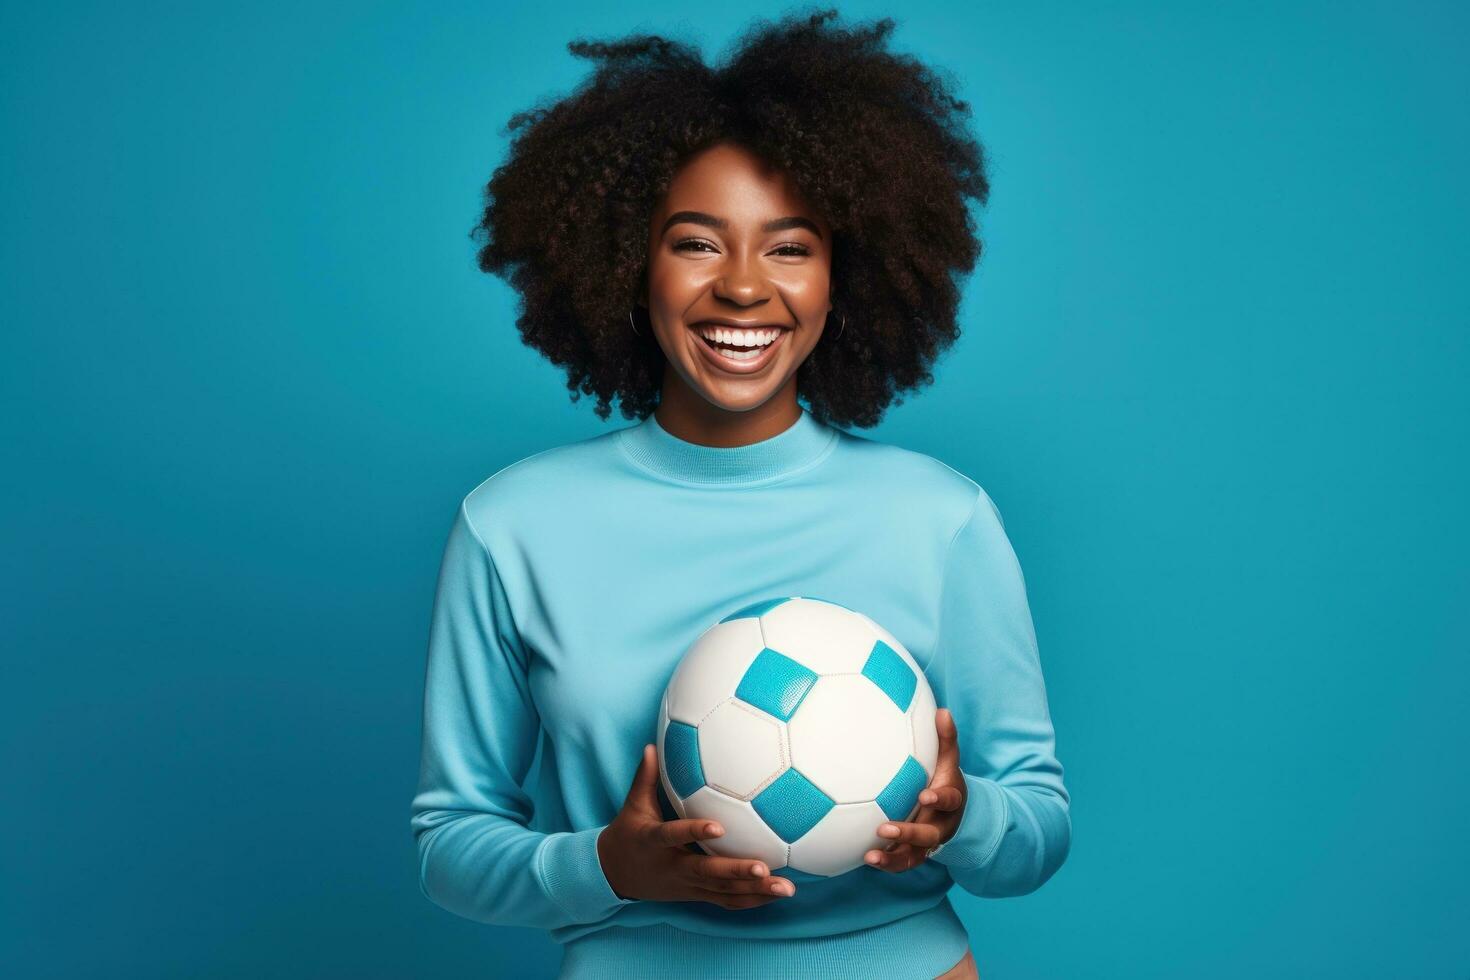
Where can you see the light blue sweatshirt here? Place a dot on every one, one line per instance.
(572, 583)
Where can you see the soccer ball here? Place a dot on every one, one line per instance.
(800, 725)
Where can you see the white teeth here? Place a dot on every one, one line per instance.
(742, 338)
(740, 355)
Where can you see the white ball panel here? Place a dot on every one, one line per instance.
(741, 749)
(849, 738)
(921, 721)
(820, 636)
(746, 834)
(839, 841)
(711, 669)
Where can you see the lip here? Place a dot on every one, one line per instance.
(736, 367)
(725, 321)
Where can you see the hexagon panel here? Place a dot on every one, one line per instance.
(849, 738)
(741, 749)
(837, 843)
(710, 671)
(925, 735)
(745, 835)
(822, 636)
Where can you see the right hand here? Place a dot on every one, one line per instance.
(643, 856)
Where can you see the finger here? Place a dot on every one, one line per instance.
(677, 833)
(735, 902)
(949, 736)
(901, 832)
(716, 867)
(775, 887)
(642, 793)
(942, 798)
(739, 875)
(900, 858)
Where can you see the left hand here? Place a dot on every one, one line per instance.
(943, 806)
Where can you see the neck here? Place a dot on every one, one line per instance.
(802, 442)
(685, 413)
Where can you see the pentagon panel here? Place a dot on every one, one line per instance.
(892, 674)
(775, 683)
(755, 609)
(901, 796)
(663, 772)
(791, 805)
(681, 758)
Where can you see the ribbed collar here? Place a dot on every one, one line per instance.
(657, 449)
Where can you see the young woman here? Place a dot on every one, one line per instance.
(708, 246)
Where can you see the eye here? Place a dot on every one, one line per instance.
(701, 245)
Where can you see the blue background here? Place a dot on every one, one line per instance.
(1213, 372)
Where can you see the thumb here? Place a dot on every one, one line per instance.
(949, 749)
(642, 794)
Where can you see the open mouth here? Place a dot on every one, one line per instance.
(739, 351)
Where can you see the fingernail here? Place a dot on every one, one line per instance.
(783, 888)
(760, 871)
(888, 830)
(927, 797)
(872, 858)
(714, 828)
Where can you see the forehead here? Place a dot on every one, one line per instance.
(730, 181)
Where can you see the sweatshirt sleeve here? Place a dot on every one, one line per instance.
(1016, 829)
(477, 857)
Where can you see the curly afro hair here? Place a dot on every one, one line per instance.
(875, 141)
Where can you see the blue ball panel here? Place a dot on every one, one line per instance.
(755, 609)
(893, 676)
(902, 792)
(681, 758)
(775, 683)
(791, 805)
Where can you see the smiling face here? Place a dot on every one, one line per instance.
(733, 247)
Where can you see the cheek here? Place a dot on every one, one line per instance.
(673, 285)
(807, 294)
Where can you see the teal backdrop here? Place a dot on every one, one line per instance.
(1213, 371)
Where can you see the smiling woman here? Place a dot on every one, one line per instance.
(812, 180)
(739, 287)
(710, 246)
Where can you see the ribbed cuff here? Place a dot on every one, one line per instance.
(572, 875)
(987, 811)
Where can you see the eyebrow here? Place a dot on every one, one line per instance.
(777, 224)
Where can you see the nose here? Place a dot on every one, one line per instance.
(741, 283)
